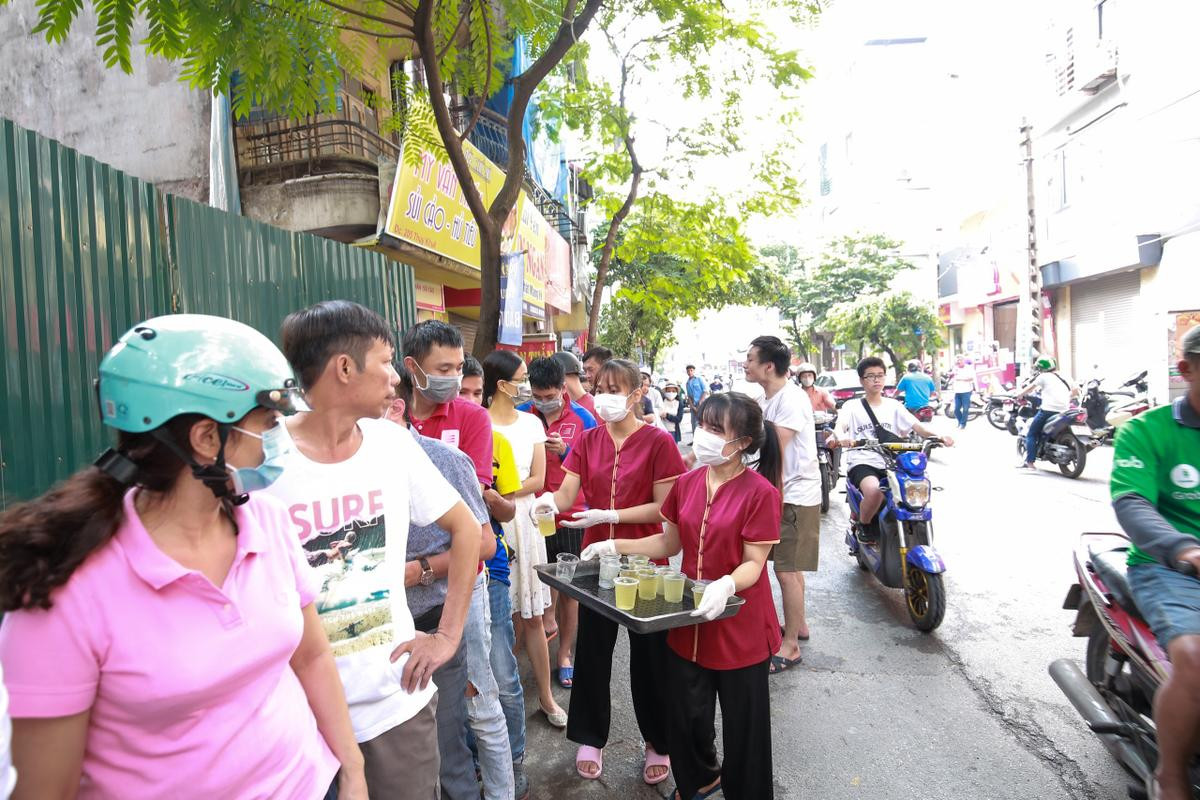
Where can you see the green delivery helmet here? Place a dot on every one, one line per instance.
(193, 364)
(1045, 364)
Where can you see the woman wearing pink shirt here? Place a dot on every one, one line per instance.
(725, 518)
(624, 470)
(160, 638)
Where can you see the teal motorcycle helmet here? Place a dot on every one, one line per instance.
(191, 364)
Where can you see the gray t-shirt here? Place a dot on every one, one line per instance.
(427, 540)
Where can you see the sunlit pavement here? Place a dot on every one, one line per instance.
(879, 710)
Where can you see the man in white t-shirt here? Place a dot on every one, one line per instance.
(963, 387)
(785, 404)
(1056, 392)
(867, 470)
(353, 484)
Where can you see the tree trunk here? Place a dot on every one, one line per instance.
(610, 242)
(892, 355)
(491, 220)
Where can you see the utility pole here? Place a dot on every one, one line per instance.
(1029, 331)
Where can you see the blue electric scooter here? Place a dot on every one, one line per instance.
(902, 556)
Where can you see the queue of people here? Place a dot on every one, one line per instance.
(312, 565)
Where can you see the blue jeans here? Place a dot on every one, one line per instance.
(485, 715)
(962, 407)
(1034, 433)
(504, 667)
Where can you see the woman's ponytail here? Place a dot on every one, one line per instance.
(44, 540)
(770, 456)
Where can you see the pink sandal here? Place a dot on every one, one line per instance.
(653, 759)
(585, 754)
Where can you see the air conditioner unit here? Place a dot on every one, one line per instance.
(1096, 67)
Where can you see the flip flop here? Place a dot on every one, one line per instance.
(653, 759)
(566, 677)
(587, 753)
(701, 795)
(552, 635)
(780, 664)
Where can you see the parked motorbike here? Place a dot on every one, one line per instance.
(1065, 441)
(828, 458)
(1020, 412)
(903, 556)
(1107, 411)
(1124, 664)
(976, 408)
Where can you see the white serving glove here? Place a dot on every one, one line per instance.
(716, 594)
(608, 547)
(593, 516)
(543, 506)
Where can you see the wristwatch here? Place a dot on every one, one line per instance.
(426, 571)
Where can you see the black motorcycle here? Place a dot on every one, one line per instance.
(828, 458)
(1108, 410)
(1020, 411)
(1064, 442)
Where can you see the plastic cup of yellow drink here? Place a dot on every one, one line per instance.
(626, 590)
(698, 588)
(673, 583)
(639, 559)
(662, 573)
(647, 584)
(546, 525)
(629, 572)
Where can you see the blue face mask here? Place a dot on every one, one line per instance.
(276, 445)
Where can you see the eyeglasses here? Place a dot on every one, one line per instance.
(874, 376)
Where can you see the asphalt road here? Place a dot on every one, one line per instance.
(879, 710)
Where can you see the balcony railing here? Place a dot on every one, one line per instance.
(276, 150)
(490, 133)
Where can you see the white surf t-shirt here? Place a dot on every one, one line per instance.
(353, 519)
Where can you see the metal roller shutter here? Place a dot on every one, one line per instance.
(468, 328)
(1103, 343)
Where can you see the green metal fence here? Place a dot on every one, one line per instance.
(87, 251)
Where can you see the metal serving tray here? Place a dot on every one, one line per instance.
(647, 616)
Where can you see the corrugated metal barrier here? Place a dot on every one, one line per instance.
(87, 251)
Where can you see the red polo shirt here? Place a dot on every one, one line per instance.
(570, 428)
(624, 478)
(462, 424)
(712, 531)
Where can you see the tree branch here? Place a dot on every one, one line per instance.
(487, 81)
(462, 20)
(365, 15)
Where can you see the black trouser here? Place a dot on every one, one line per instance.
(591, 709)
(746, 773)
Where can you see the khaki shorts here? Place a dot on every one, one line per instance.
(799, 539)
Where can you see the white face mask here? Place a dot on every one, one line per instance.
(708, 448)
(670, 395)
(806, 381)
(612, 407)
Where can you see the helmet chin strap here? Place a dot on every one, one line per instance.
(213, 475)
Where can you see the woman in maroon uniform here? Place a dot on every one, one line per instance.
(724, 517)
(625, 470)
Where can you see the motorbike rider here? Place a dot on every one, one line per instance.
(1057, 393)
(821, 400)
(1155, 488)
(861, 419)
(917, 387)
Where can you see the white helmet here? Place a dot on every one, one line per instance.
(807, 367)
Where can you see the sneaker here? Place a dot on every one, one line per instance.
(1025, 465)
